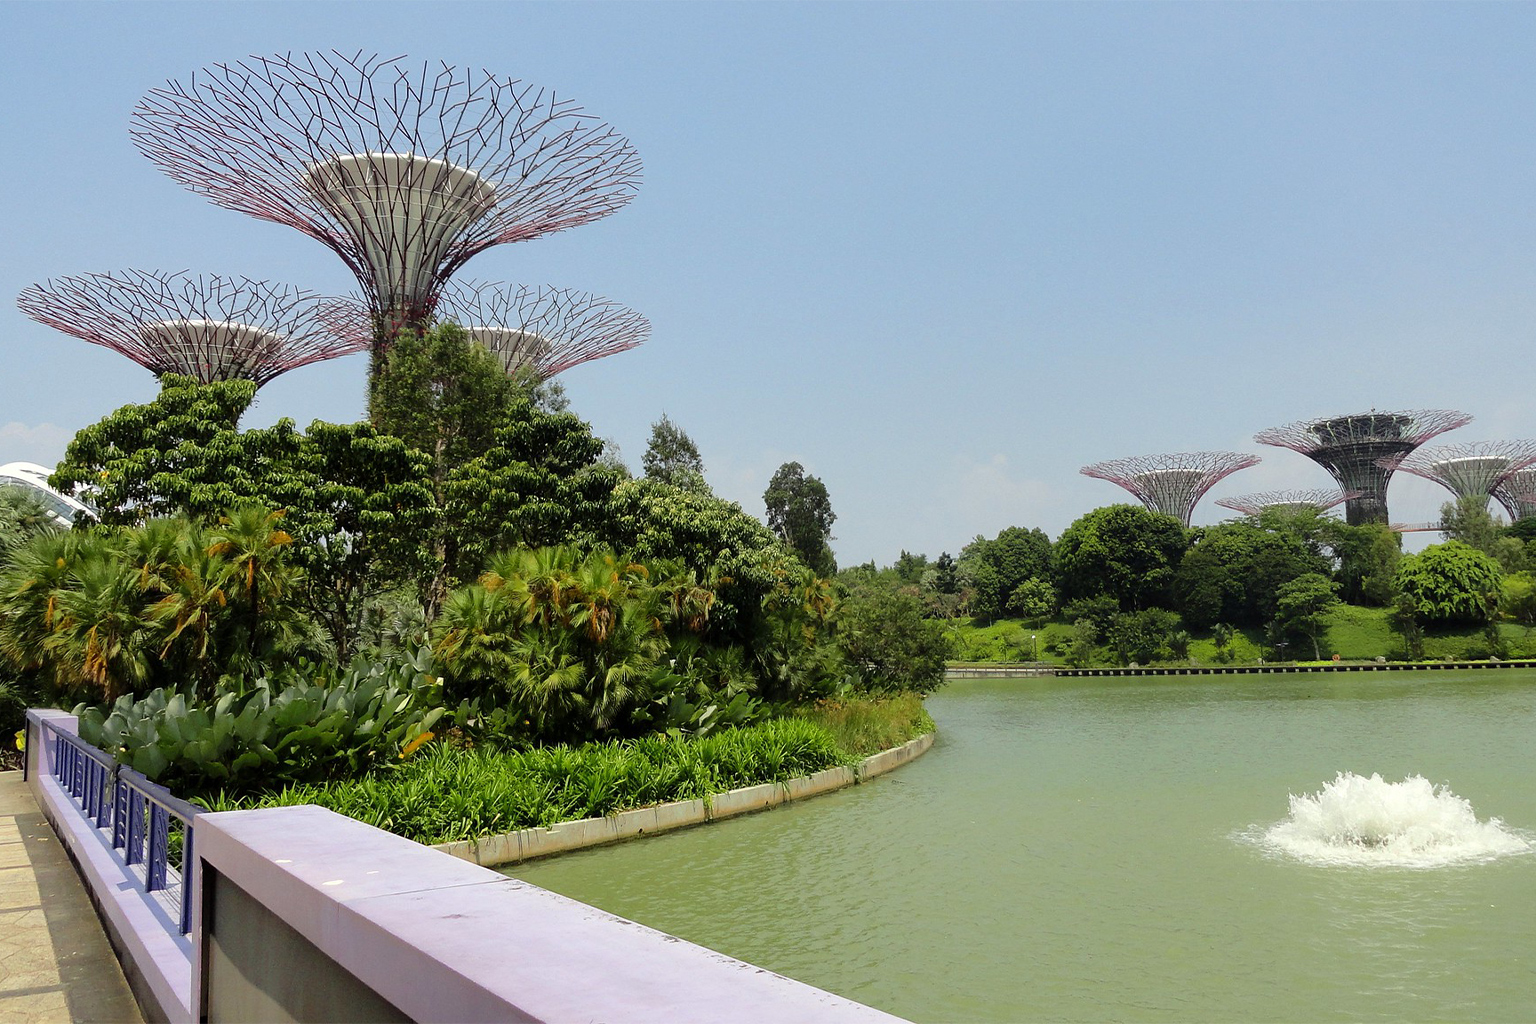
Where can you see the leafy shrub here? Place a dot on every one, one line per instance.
(279, 730)
(452, 794)
(883, 634)
(1449, 583)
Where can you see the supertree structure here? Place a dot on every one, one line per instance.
(543, 331)
(405, 171)
(1517, 493)
(1470, 470)
(1353, 449)
(1319, 499)
(208, 326)
(1173, 484)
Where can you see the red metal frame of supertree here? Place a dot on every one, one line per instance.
(404, 171)
(209, 327)
(545, 330)
(1173, 484)
(1319, 498)
(1476, 469)
(1354, 447)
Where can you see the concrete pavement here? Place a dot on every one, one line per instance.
(55, 963)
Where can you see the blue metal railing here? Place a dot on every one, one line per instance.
(145, 822)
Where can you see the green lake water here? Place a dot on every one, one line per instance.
(1094, 850)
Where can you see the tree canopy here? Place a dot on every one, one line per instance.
(671, 457)
(1450, 583)
(1233, 573)
(1123, 551)
(800, 513)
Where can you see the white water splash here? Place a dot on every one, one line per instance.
(1370, 822)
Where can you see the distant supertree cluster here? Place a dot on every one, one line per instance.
(404, 170)
(1318, 499)
(1357, 450)
(210, 327)
(1172, 484)
(1470, 470)
(542, 331)
(1517, 493)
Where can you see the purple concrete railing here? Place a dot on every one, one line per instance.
(144, 821)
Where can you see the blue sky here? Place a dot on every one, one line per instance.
(941, 255)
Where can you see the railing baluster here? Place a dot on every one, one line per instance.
(159, 846)
(135, 851)
(119, 814)
(187, 864)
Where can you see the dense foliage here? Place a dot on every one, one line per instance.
(296, 725)
(1233, 573)
(800, 513)
(1450, 583)
(1123, 552)
(446, 794)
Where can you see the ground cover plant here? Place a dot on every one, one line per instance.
(447, 793)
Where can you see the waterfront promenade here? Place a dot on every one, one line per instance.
(55, 963)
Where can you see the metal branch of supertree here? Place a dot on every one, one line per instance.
(404, 170)
(1318, 499)
(207, 326)
(1173, 484)
(1352, 448)
(1517, 493)
(1470, 470)
(543, 331)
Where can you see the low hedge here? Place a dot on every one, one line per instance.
(446, 793)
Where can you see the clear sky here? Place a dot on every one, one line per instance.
(942, 255)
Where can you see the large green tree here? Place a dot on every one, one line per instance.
(671, 457)
(1302, 606)
(728, 549)
(1123, 551)
(1233, 573)
(997, 567)
(1367, 557)
(884, 635)
(800, 512)
(1450, 583)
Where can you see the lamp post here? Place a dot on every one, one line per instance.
(1034, 651)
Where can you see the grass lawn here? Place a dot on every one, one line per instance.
(1355, 633)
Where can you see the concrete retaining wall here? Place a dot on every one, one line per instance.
(1026, 671)
(437, 939)
(529, 843)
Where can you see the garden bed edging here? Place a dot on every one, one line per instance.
(530, 843)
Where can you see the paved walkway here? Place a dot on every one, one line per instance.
(55, 963)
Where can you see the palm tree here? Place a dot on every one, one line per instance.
(192, 615)
(259, 580)
(33, 585)
(98, 636)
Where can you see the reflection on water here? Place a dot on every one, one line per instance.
(1066, 852)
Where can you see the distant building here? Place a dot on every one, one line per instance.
(34, 480)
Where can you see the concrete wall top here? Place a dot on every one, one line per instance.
(443, 939)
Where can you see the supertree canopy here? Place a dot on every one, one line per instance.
(542, 330)
(1517, 493)
(1470, 470)
(405, 170)
(1354, 448)
(1173, 484)
(1319, 499)
(209, 327)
